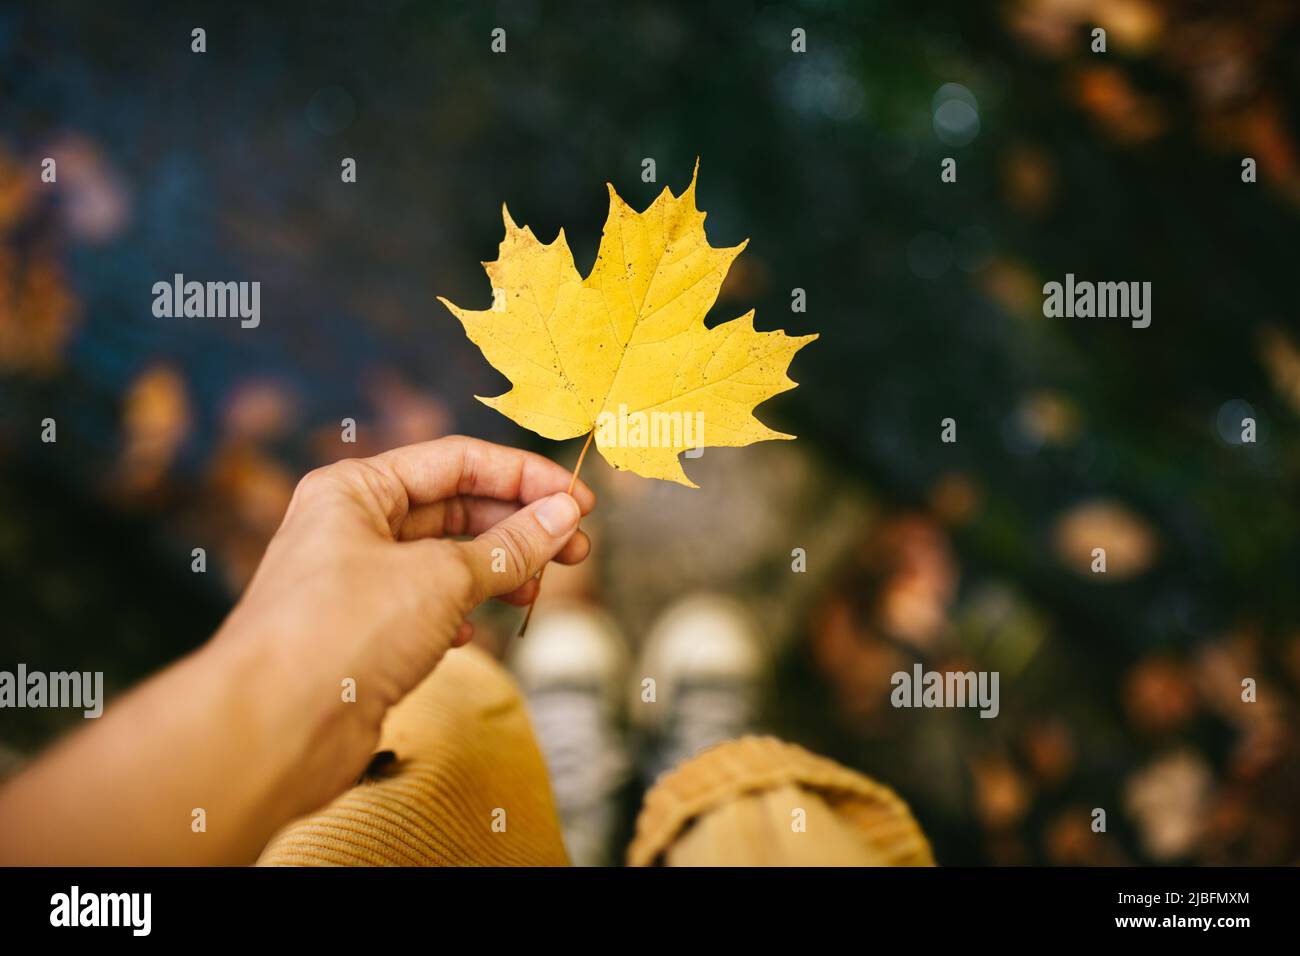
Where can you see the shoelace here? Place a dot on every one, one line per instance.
(705, 714)
(582, 751)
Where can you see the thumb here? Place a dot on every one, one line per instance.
(516, 548)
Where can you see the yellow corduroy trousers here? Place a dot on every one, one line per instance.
(466, 786)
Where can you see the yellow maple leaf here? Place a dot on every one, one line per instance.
(625, 352)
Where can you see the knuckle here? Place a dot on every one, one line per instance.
(314, 478)
(310, 486)
(329, 476)
(518, 549)
(454, 444)
(348, 469)
(367, 479)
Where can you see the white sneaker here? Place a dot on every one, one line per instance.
(706, 662)
(572, 667)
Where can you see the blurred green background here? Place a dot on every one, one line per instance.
(1120, 691)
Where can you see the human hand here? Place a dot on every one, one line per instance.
(362, 584)
(363, 580)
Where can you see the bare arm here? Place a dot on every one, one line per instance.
(361, 582)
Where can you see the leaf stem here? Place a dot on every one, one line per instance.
(573, 483)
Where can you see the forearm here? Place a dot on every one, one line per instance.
(216, 738)
(359, 590)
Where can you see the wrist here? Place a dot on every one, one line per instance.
(304, 741)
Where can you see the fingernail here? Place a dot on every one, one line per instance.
(558, 514)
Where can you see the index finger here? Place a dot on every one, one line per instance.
(457, 465)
